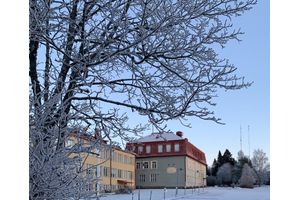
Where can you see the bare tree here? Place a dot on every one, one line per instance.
(261, 165)
(92, 62)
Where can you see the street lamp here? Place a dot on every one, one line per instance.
(204, 178)
(180, 169)
(196, 178)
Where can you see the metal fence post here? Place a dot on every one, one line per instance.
(164, 193)
(132, 194)
(150, 194)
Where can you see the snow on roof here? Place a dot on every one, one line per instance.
(155, 137)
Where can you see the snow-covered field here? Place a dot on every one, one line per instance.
(210, 193)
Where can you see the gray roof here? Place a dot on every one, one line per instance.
(155, 137)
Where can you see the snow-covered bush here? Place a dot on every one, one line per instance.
(224, 174)
(247, 179)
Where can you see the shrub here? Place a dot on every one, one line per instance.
(247, 180)
(211, 180)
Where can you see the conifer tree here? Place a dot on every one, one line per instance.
(220, 159)
(227, 158)
(214, 168)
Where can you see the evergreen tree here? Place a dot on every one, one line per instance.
(220, 159)
(214, 168)
(227, 158)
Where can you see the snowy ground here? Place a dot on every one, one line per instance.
(210, 193)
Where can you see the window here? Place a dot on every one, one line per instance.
(160, 148)
(120, 158)
(140, 149)
(125, 159)
(145, 165)
(152, 177)
(125, 174)
(176, 147)
(153, 164)
(131, 160)
(142, 178)
(148, 149)
(119, 173)
(98, 171)
(168, 148)
(113, 155)
(138, 165)
(130, 175)
(105, 171)
(106, 155)
(114, 173)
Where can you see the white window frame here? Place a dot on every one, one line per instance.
(155, 164)
(178, 147)
(158, 149)
(148, 148)
(144, 164)
(168, 149)
(138, 164)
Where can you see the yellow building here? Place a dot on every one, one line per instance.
(107, 167)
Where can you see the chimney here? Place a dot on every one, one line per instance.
(179, 133)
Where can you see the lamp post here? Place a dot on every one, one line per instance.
(177, 171)
(196, 177)
(204, 178)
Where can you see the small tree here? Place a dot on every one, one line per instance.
(224, 174)
(247, 179)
